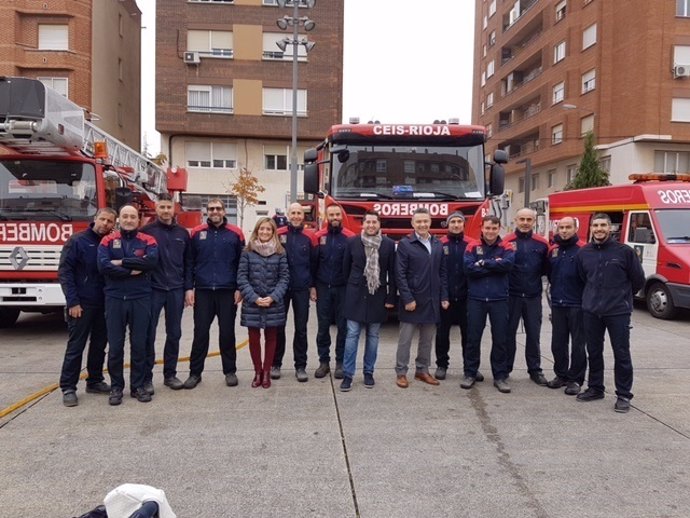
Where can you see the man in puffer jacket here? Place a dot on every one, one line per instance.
(612, 274)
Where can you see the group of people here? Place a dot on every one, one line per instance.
(119, 279)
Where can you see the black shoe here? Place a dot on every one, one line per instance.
(479, 376)
(369, 380)
(141, 394)
(98, 388)
(148, 387)
(556, 383)
(301, 374)
(539, 379)
(590, 395)
(231, 379)
(192, 381)
(572, 388)
(338, 374)
(324, 368)
(115, 397)
(346, 384)
(622, 405)
(440, 373)
(173, 382)
(70, 399)
(502, 386)
(467, 382)
(275, 373)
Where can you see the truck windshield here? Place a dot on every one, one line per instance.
(674, 225)
(414, 172)
(44, 190)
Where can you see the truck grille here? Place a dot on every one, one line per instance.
(17, 258)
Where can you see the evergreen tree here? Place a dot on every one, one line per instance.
(589, 172)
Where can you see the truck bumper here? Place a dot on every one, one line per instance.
(30, 294)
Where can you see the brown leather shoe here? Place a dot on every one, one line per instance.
(402, 381)
(426, 378)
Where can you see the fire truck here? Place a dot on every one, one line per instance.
(396, 168)
(56, 170)
(652, 216)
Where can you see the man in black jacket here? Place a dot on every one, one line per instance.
(612, 274)
(82, 285)
(168, 283)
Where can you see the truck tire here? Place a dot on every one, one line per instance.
(659, 301)
(8, 317)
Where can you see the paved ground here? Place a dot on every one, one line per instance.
(309, 450)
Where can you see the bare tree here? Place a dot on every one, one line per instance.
(246, 188)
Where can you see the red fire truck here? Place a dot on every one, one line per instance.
(652, 216)
(56, 171)
(396, 168)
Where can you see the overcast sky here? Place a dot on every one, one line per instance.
(405, 62)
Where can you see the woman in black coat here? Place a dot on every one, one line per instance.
(368, 266)
(263, 279)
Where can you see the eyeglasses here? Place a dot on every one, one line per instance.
(214, 209)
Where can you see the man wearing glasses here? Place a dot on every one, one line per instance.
(216, 249)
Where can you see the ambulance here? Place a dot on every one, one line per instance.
(652, 216)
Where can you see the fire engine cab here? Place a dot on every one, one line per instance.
(56, 171)
(652, 216)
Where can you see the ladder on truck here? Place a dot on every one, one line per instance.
(37, 120)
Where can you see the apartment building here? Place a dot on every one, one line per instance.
(88, 50)
(548, 71)
(224, 93)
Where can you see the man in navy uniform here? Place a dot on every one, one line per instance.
(82, 285)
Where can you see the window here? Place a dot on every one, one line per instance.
(489, 130)
(213, 99)
(570, 173)
(490, 69)
(485, 22)
(489, 99)
(59, 84)
(557, 134)
(521, 184)
(551, 178)
(586, 124)
(605, 163)
(278, 101)
(561, 9)
(641, 230)
(558, 92)
(275, 162)
(589, 81)
(289, 3)
(559, 52)
(53, 37)
(535, 182)
(589, 36)
(271, 50)
(492, 38)
(210, 44)
(682, 7)
(481, 108)
(672, 161)
(492, 8)
(483, 78)
(211, 155)
(483, 51)
(681, 54)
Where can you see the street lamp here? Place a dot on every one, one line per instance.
(283, 23)
(528, 177)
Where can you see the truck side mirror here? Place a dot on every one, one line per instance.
(496, 179)
(311, 178)
(500, 156)
(310, 155)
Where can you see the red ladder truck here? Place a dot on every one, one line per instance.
(396, 168)
(56, 171)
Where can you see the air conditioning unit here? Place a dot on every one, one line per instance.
(191, 58)
(681, 71)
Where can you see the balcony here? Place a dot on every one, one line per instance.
(516, 14)
(507, 119)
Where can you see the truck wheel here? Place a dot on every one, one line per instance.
(659, 301)
(8, 316)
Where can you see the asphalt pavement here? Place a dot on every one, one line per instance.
(305, 449)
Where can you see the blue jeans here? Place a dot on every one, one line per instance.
(530, 311)
(371, 347)
(618, 327)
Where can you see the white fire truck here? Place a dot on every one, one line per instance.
(56, 170)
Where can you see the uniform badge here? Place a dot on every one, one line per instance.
(202, 234)
(322, 240)
(446, 250)
(480, 250)
(554, 253)
(117, 243)
(283, 239)
(513, 245)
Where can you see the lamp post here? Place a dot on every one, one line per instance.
(283, 23)
(528, 177)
